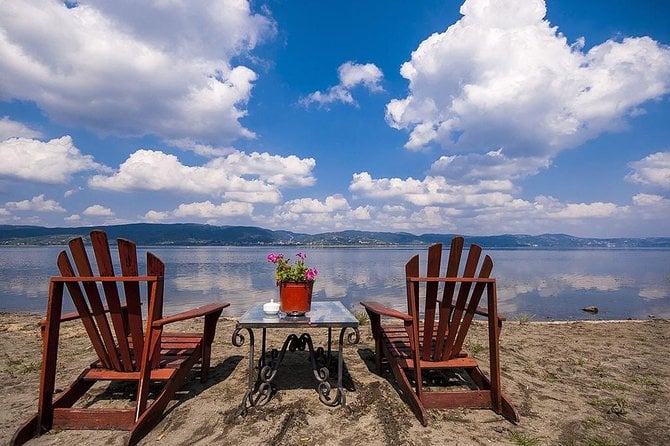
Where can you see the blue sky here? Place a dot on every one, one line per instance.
(482, 117)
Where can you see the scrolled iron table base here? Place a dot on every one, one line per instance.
(260, 386)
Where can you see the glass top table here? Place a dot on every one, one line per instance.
(328, 315)
(321, 314)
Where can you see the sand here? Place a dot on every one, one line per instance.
(576, 383)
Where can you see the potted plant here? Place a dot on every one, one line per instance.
(295, 281)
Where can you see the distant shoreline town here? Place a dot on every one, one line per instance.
(192, 234)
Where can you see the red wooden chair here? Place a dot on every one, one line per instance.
(417, 349)
(126, 351)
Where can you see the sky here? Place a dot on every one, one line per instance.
(478, 117)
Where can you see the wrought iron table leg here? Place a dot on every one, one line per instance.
(261, 360)
(238, 341)
(324, 388)
(330, 344)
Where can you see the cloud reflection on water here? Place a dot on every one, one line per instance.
(548, 284)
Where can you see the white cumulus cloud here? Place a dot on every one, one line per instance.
(651, 206)
(504, 77)
(314, 206)
(54, 161)
(37, 203)
(206, 150)
(491, 165)
(98, 210)
(13, 129)
(207, 209)
(274, 169)
(153, 215)
(432, 190)
(237, 177)
(350, 75)
(488, 207)
(581, 210)
(334, 212)
(131, 68)
(550, 207)
(203, 210)
(652, 170)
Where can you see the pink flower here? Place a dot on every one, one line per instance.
(274, 258)
(287, 271)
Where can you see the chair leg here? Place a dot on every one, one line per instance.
(410, 395)
(150, 416)
(28, 430)
(378, 356)
(208, 338)
(33, 428)
(408, 392)
(508, 410)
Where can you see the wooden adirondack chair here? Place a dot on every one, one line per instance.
(419, 351)
(126, 351)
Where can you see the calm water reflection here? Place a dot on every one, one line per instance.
(541, 284)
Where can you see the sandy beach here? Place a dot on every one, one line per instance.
(574, 383)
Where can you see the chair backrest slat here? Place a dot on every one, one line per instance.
(104, 259)
(412, 270)
(448, 295)
(91, 288)
(433, 270)
(66, 270)
(128, 259)
(484, 273)
(463, 294)
(155, 267)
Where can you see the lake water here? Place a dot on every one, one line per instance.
(541, 284)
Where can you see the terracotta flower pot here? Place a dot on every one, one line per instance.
(295, 298)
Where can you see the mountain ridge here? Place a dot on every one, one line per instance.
(195, 234)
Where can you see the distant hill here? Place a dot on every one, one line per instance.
(191, 234)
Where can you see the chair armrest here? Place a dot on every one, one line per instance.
(64, 318)
(382, 310)
(190, 314)
(484, 312)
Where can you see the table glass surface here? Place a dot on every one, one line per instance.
(322, 314)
